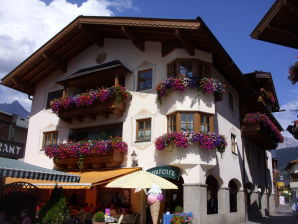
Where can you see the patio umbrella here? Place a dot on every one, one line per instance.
(141, 179)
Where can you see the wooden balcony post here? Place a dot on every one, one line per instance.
(116, 79)
(64, 93)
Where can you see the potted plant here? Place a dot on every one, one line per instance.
(98, 218)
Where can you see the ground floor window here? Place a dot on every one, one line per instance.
(233, 191)
(212, 195)
(174, 198)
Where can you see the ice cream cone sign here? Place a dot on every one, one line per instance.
(154, 198)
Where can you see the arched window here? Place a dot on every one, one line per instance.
(233, 195)
(212, 192)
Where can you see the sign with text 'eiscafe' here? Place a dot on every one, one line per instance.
(10, 149)
(171, 172)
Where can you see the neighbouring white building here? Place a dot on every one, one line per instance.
(292, 169)
(140, 53)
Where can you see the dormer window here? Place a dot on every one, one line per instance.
(192, 68)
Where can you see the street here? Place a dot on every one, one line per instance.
(283, 215)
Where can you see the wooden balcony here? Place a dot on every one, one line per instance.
(97, 108)
(110, 160)
(259, 136)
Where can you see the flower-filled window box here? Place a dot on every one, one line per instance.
(88, 154)
(190, 148)
(182, 83)
(260, 129)
(93, 102)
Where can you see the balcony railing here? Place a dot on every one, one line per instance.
(92, 103)
(261, 130)
(88, 154)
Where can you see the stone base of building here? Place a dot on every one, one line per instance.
(195, 201)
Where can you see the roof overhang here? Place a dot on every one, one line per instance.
(87, 30)
(279, 25)
(87, 75)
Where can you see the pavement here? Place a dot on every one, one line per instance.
(282, 215)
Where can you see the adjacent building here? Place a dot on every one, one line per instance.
(186, 113)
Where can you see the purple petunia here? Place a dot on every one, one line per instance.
(207, 141)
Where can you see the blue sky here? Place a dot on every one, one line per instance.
(231, 21)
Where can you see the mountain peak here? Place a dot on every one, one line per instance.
(14, 108)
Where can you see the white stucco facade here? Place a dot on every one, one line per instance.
(195, 167)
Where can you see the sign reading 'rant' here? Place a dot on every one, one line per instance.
(10, 149)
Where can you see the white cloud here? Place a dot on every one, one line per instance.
(26, 25)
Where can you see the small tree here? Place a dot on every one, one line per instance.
(54, 208)
(58, 214)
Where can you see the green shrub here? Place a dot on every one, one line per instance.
(99, 217)
(178, 209)
(58, 214)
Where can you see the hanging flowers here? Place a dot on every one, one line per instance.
(81, 149)
(207, 141)
(119, 93)
(182, 82)
(181, 219)
(293, 73)
(266, 123)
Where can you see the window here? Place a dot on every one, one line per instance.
(187, 122)
(190, 121)
(233, 144)
(172, 123)
(53, 95)
(205, 125)
(144, 130)
(145, 79)
(192, 68)
(49, 138)
(96, 132)
(231, 101)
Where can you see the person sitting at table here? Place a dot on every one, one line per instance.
(113, 210)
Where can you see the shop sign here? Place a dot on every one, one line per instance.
(166, 171)
(10, 149)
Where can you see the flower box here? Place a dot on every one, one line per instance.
(257, 134)
(88, 154)
(110, 160)
(261, 130)
(190, 155)
(96, 101)
(106, 108)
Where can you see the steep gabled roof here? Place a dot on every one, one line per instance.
(279, 25)
(84, 31)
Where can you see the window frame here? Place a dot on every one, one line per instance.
(200, 68)
(196, 120)
(234, 144)
(144, 70)
(48, 106)
(231, 101)
(144, 129)
(51, 137)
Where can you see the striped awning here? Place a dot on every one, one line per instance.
(19, 169)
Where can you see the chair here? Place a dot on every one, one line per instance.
(119, 220)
